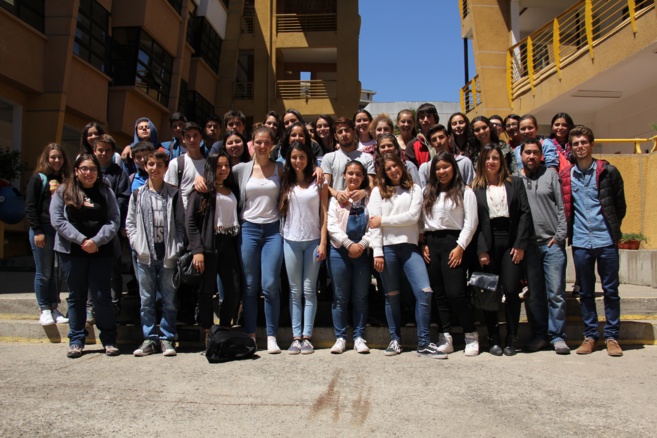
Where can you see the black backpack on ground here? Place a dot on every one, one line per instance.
(225, 345)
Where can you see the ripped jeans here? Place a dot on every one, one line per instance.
(406, 256)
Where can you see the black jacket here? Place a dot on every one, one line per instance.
(521, 227)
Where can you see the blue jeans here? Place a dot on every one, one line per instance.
(89, 275)
(608, 265)
(153, 279)
(302, 271)
(406, 257)
(45, 277)
(546, 277)
(351, 281)
(262, 257)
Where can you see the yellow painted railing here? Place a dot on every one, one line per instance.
(577, 30)
(637, 142)
(470, 95)
(306, 22)
(311, 89)
(464, 8)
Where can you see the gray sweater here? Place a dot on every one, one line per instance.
(545, 201)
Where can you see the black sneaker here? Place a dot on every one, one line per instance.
(430, 351)
(146, 348)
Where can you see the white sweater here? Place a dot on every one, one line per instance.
(399, 217)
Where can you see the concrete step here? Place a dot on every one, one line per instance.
(24, 306)
(642, 332)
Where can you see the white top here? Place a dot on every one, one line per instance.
(225, 214)
(334, 163)
(399, 217)
(497, 204)
(445, 215)
(192, 169)
(302, 222)
(362, 146)
(261, 202)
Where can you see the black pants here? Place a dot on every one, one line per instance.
(510, 276)
(225, 263)
(450, 293)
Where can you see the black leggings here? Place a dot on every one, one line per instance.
(226, 263)
(449, 284)
(510, 276)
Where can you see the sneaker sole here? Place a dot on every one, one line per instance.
(170, 354)
(432, 356)
(274, 351)
(392, 353)
(308, 352)
(336, 352)
(142, 354)
(363, 352)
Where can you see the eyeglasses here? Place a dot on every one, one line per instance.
(88, 169)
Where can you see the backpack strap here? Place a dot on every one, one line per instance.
(181, 168)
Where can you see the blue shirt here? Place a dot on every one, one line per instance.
(589, 226)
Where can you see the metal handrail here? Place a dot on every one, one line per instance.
(306, 23)
(470, 95)
(637, 142)
(306, 89)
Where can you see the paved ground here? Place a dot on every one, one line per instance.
(540, 394)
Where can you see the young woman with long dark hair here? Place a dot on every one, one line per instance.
(483, 133)
(449, 218)
(362, 120)
(212, 228)
(505, 227)
(51, 170)
(302, 208)
(395, 208)
(325, 133)
(85, 214)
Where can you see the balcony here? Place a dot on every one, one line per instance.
(470, 95)
(571, 35)
(306, 89)
(243, 90)
(288, 23)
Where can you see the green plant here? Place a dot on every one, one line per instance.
(11, 164)
(634, 236)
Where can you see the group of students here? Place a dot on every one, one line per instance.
(420, 211)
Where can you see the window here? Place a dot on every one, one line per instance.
(177, 5)
(91, 38)
(140, 61)
(193, 104)
(30, 11)
(206, 43)
(191, 23)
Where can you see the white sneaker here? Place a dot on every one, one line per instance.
(339, 347)
(393, 348)
(445, 343)
(360, 345)
(472, 344)
(46, 318)
(59, 318)
(272, 345)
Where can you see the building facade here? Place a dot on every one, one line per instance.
(68, 62)
(594, 59)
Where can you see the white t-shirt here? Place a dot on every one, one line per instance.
(302, 222)
(446, 215)
(261, 201)
(225, 214)
(334, 163)
(192, 169)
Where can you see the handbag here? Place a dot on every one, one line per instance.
(186, 273)
(224, 345)
(486, 291)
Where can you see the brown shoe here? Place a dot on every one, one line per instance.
(613, 349)
(587, 347)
